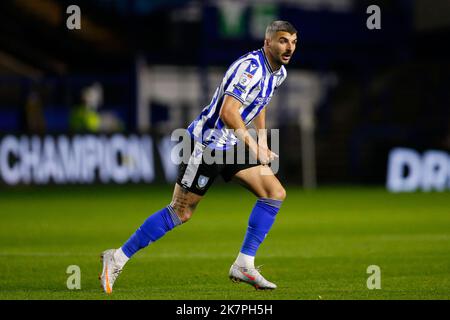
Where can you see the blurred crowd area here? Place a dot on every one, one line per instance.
(139, 66)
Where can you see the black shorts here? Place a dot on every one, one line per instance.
(199, 172)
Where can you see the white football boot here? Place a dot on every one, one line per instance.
(250, 276)
(111, 270)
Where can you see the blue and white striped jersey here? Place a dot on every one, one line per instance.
(249, 79)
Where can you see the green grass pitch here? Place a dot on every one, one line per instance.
(319, 248)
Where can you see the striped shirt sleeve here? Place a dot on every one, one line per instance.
(247, 75)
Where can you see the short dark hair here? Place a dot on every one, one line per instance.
(279, 25)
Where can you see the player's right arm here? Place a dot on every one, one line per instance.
(246, 76)
(229, 113)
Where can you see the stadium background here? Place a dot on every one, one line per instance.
(144, 68)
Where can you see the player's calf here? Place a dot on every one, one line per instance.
(154, 227)
(184, 203)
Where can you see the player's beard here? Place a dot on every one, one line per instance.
(280, 59)
(277, 57)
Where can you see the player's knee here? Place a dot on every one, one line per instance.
(278, 193)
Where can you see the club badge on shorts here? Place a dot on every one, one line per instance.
(202, 181)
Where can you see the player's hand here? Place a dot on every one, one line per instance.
(265, 155)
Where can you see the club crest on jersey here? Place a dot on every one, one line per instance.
(202, 181)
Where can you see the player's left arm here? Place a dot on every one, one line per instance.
(260, 125)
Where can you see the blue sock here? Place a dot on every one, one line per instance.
(151, 230)
(260, 221)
